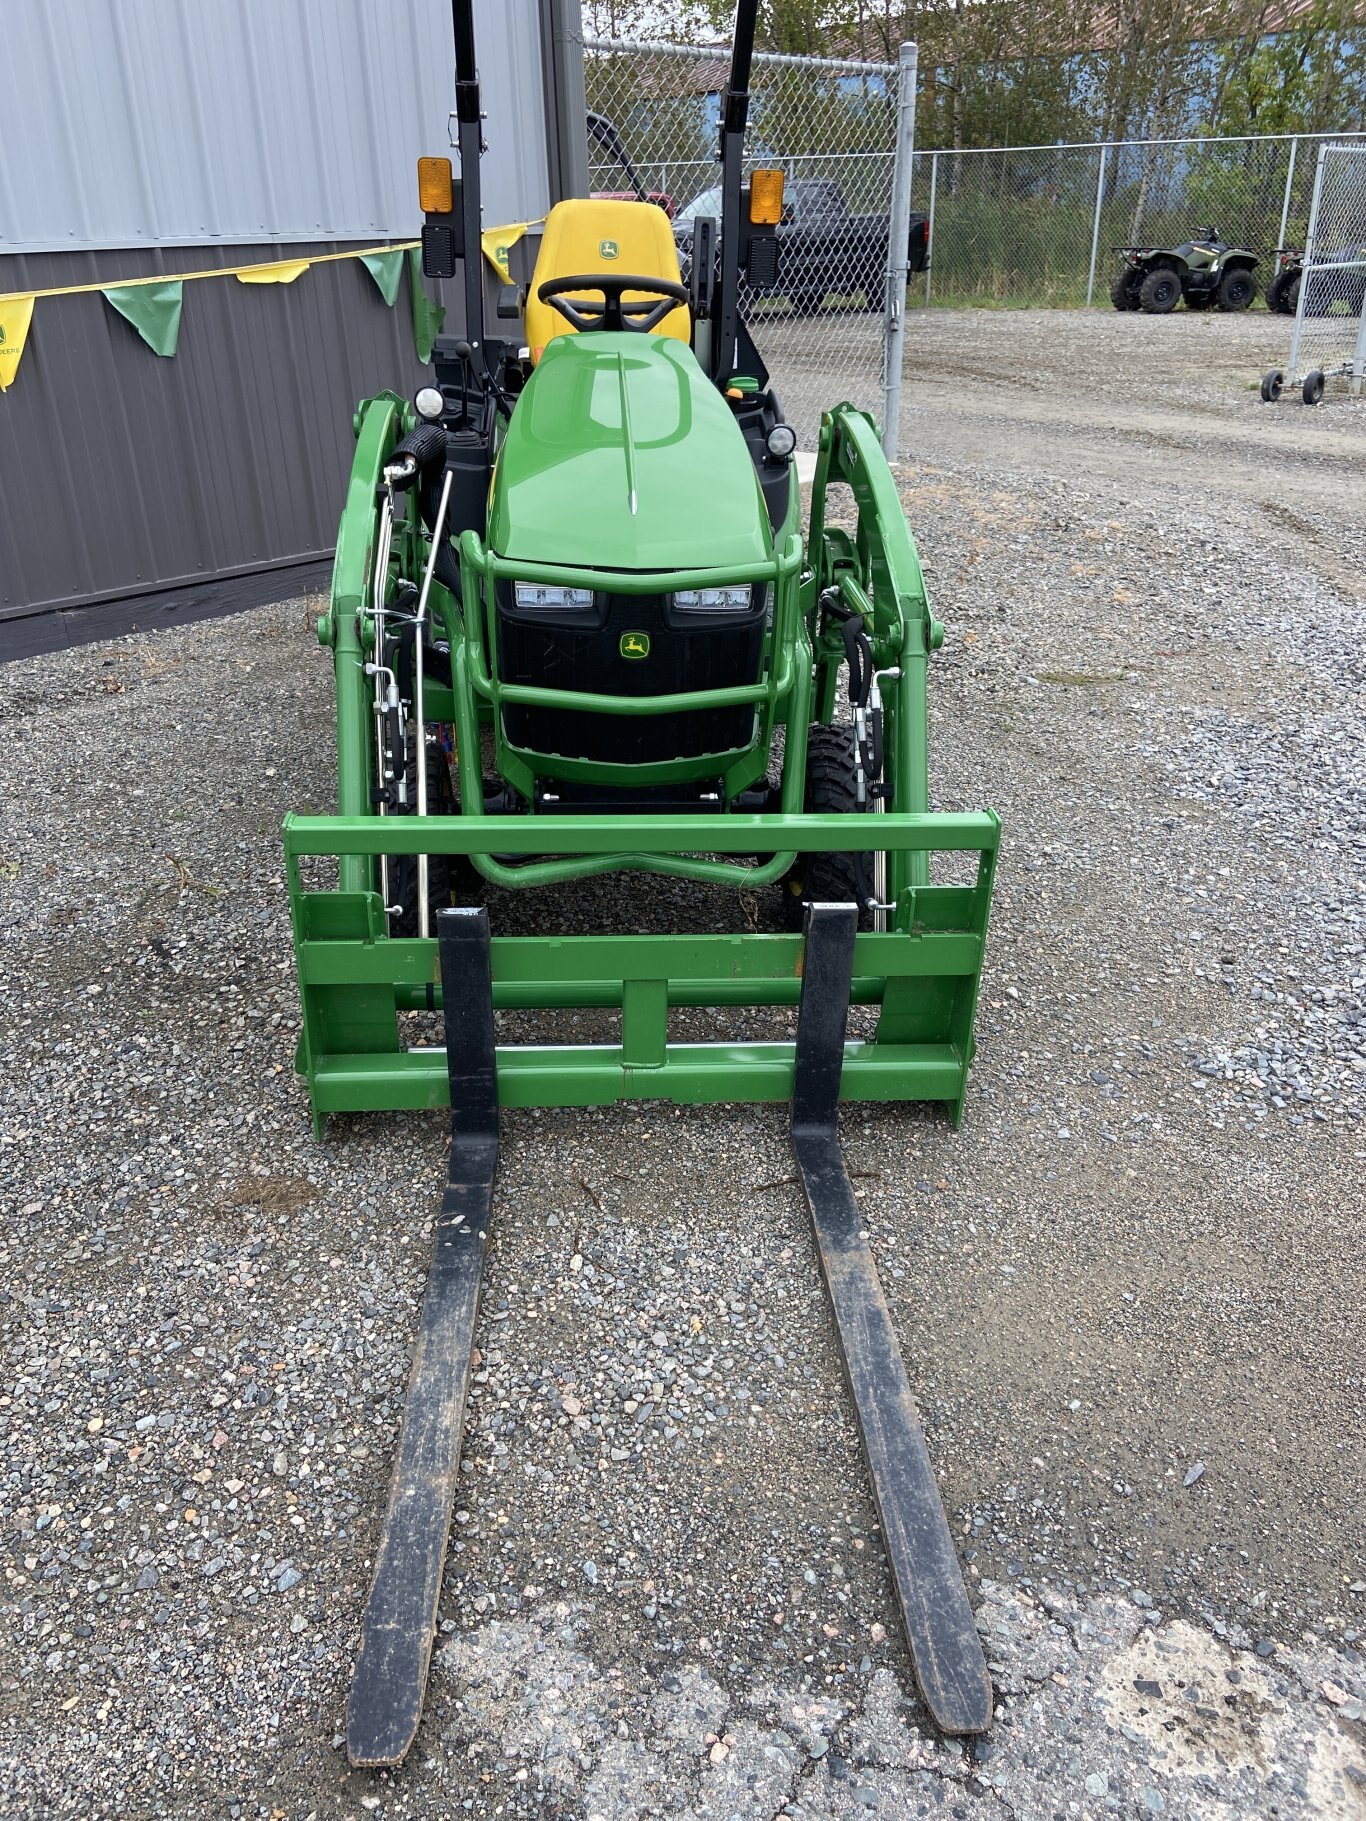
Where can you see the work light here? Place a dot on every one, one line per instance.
(714, 600)
(551, 595)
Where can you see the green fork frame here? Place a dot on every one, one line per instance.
(923, 971)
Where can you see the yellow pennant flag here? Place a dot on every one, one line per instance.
(499, 242)
(16, 313)
(284, 273)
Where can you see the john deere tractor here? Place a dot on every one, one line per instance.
(578, 628)
(1208, 272)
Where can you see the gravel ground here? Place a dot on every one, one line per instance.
(1129, 1289)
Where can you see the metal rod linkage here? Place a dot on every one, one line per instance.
(419, 706)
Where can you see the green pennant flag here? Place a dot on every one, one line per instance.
(427, 316)
(153, 310)
(386, 269)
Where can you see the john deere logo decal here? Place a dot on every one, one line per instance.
(609, 250)
(635, 645)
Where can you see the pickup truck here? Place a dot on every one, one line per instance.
(823, 250)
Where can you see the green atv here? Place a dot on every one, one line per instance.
(1208, 272)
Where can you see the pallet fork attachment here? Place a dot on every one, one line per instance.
(949, 1666)
(400, 1616)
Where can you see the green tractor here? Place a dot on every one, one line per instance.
(1208, 272)
(578, 629)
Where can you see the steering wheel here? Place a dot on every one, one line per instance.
(640, 314)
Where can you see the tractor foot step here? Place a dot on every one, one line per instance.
(400, 1616)
(947, 1654)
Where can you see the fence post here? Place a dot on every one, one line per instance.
(898, 249)
(1293, 373)
(1289, 179)
(929, 228)
(1095, 226)
(1358, 372)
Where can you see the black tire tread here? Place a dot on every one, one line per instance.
(1124, 288)
(1229, 304)
(830, 788)
(1148, 292)
(1276, 293)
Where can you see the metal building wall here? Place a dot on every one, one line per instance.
(122, 473)
(177, 135)
(181, 122)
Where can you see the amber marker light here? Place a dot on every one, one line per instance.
(434, 186)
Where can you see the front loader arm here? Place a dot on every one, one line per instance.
(379, 425)
(875, 571)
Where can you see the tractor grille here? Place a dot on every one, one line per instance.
(592, 648)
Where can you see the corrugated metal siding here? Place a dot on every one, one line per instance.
(175, 135)
(124, 472)
(176, 122)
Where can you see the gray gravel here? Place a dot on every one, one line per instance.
(1129, 1289)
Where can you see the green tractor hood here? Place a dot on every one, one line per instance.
(621, 454)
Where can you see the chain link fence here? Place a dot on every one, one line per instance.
(1038, 225)
(1329, 338)
(1008, 227)
(831, 127)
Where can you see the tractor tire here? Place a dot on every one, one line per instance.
(1278, 291)
(1124, 288)
(442, 869)
(1160, 292)
(1237, 288)
(1312, 390)
(1272, 384)
(1291, 296)
(830, 788)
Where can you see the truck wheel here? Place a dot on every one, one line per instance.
(1312, 390)
(1160, 292)
(1237, 288)
(830, 788)
(1271, 385)
(1124, 288)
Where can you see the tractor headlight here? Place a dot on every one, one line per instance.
(714, 600)
(551, 596)
(782, 440)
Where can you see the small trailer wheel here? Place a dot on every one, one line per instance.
(1272, 383)
(1312, 390)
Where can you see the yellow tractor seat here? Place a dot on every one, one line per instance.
(594, 234)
